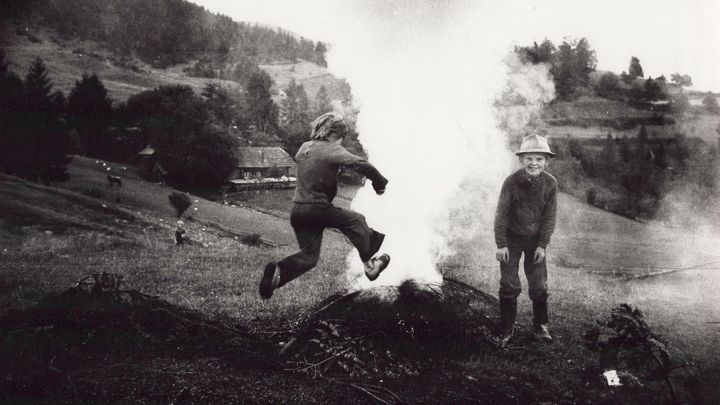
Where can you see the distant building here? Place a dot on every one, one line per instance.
(149, 166)
(261, 167)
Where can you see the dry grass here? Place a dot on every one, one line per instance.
(218, 275)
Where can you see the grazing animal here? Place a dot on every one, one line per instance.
(114, 180)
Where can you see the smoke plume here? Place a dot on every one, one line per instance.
(426, 77)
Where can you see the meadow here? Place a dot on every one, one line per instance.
(52, 236)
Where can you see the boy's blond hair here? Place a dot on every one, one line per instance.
(327, 124)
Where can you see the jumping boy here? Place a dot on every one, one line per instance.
(524, 223)
(318, 162)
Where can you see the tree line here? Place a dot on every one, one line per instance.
(194, 135)
(573, 61)
(633, 176)
(165, 32)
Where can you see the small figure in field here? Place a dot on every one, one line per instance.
(180, 233)
(524, 223)
(318, 162)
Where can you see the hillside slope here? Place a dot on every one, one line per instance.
(68, 60)
(52, 236)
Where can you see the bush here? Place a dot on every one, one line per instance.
(590, 196)
(179, 201)
(254, 239)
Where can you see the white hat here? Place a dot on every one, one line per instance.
(534, 144)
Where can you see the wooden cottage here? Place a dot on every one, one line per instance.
(261, 167)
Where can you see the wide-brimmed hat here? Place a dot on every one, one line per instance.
(534, 144)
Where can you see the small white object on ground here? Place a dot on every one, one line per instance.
(612, 378)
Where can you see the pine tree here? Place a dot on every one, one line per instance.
(262, 111)
(44, 137)
(322, 102)
(37, 84)
(89, 112)
(635, 70)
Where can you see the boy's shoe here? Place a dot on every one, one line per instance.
(504, 337)
(540, 332)
(376, 265)
(269, 280)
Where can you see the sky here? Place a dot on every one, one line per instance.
(668, 36)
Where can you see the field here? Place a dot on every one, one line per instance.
(53, 236)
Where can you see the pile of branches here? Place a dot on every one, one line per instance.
(388, 332)
(625, 341)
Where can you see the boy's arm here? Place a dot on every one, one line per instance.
(343, 157)
(547, 226)
(502, 216)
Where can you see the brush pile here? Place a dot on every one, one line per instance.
(386, 332)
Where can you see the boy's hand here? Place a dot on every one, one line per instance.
(503, 255)
(379, 188)
(539, 255)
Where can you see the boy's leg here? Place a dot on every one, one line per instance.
(537, 288)
(309, 240)
(509, 290)
(510, 287)
(366, 240)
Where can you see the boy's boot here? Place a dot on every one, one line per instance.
(508, 313)
(269, 280)
(540, 321)
(376, 265)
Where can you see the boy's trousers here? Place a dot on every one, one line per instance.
(536, 274)
(309, 221)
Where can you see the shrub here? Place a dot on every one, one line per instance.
(254, 239)
(590, 196)
(179, 201)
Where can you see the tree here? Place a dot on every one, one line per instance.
(295, 116)
(320, 50)
(585, 61)
(635, 70)
(609, 85)
(710, 103)
(536, 54)
(322, 102)
(681, 80)
(261, 110)
(178, 125)
(45, 139)
(11, 114)
(563, 71)
(653, 90)
(90, 111)
(224, 105)
(294, 108)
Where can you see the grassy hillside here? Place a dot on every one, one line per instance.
(54, 235)
(67, 60)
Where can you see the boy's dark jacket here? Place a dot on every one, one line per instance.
(317, 165)
(527, 207)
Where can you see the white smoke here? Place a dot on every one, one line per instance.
(426, 76)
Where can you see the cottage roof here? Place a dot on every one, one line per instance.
(263, 156)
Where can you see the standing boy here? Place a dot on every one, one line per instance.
(524, 223)
(318, 162)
